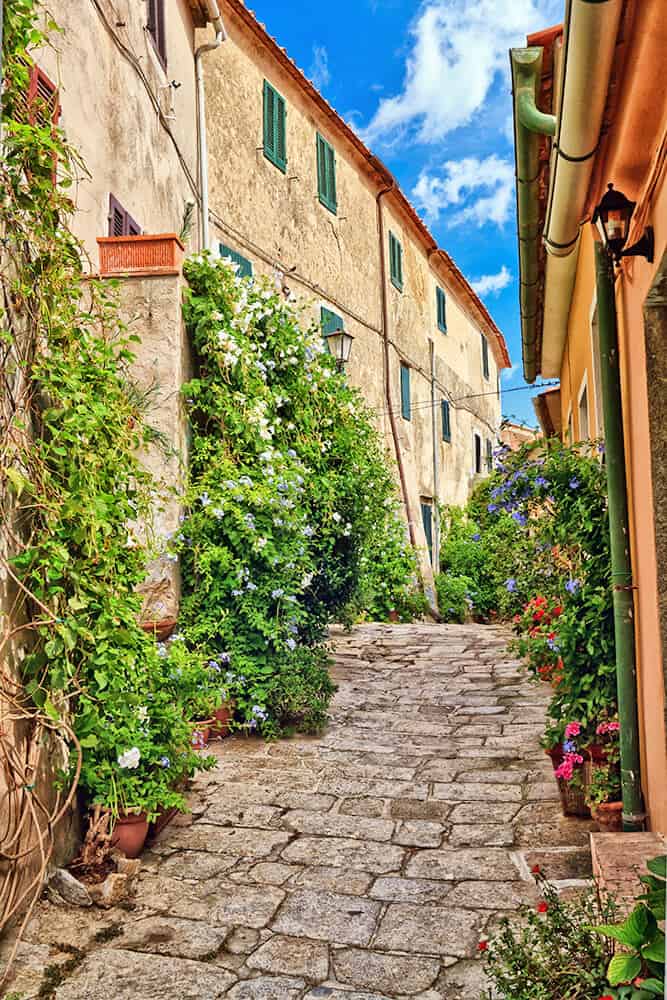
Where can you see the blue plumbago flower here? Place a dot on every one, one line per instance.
(572, 586)
(519, 518)
(224, 658)
(278, 592)
(213, 665)
(204, 499)
(294, 629)
(552, 644)
(541, 481)
(282, 486)
(492, 508)
(291, 644)
(574, 483)
(250, 585)
(177, 637)
(510, 585)
(551, 499)
(218, 512)
(601, 448)
(569, 746)
(476, 537)
(308, 531)
(162, 650)
(245, 481)
(259, 712)
(291, 452)
(165, 762)
(172, 557)
(236, 593)
(291, 598)
(230, 484)
(249, 520)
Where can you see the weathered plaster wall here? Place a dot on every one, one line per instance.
(109, 117)
(577, 364)
(277, 221)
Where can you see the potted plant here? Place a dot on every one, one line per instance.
(603, 792)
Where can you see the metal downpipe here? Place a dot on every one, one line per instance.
(220, 36)
(619, 533)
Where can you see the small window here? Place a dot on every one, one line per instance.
(121, 222)
(584, 429)
(441, 308)
(326, 174)
(427, 521)
(485, 356)
(244, 265)
(446, 421)
(477, 443)
(330, 321)
(39, 106)
(489, 455)
(156, 28)
(405, 392)
(395, 262)
(275, 135)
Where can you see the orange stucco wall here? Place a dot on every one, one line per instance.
(631, 159)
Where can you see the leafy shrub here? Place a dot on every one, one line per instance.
(290, 500)
(552, 951)
(454, 596)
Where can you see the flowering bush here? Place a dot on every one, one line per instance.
(289, 503)
(553, 951)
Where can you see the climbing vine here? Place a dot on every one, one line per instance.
(292, 507)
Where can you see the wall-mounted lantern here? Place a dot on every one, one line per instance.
(612, 218)
(339, 343)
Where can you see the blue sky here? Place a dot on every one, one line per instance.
(427, 87)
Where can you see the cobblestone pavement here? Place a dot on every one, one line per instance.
(363, 864)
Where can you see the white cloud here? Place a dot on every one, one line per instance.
(458, 51)
(507, 374)
(483, 190)
(319, 71)
(492, 284)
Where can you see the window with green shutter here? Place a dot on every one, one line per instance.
(275, 139)
(489, 455)
(441, 308)
(427, 521)
(244, 265)
(326, 174)
(446, 421)
(395, 262)
(330, 321)
(405, 392)
(485, 356)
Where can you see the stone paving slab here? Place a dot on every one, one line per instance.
(363, 864)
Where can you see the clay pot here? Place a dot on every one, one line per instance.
(163, 818)
(609, 817)
(393, 616)
(223, 716)
(129, 833)
(160, 630)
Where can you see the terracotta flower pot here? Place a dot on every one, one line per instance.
(163, 818)
(393, 616)
(223, 716)
(129, 833)
(609, 816)
(161, 629)
(161, 253)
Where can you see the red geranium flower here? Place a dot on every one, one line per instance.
(483, 945)
(542, 907)
(536, 869)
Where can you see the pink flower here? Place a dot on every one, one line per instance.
(607, 727)
(572, 729)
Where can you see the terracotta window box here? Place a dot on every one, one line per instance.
(160, 254)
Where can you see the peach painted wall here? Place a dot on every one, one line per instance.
(577, 363)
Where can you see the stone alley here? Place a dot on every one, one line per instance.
(363, 864)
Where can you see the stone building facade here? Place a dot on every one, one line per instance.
(295, 195)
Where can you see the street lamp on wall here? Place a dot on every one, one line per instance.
(612, 218)
(339, 343)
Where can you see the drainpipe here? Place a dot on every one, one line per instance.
(387, 373)
(220, 36)
(436, 477)
(619, 532)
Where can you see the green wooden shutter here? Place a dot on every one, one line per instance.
(405, 392)
(441, 308)
(275, 139)
(330, 320)
(395, 262)
(485, 356)
(446, 421)
(427, 521)
(244, 265)
(489, 455)
(326, 174)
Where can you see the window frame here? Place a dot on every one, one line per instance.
(581, 395)
(446, 420)
(271, 130)
(156, 27)
(129, 226)
(441, 308)
(395, 262)
(327, 192)
(427, 512)
(489, 455)
(406, 406)
(477, 453)
(245, 264)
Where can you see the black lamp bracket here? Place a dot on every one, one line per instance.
(645, 247)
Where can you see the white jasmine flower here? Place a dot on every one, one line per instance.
(130, 759)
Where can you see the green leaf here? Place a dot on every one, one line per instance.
(658, 865)
(89, 742)
(655, 951)
(623, 968)
(51, 710)
(654, 986)
(102, 679)
(18, 481)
